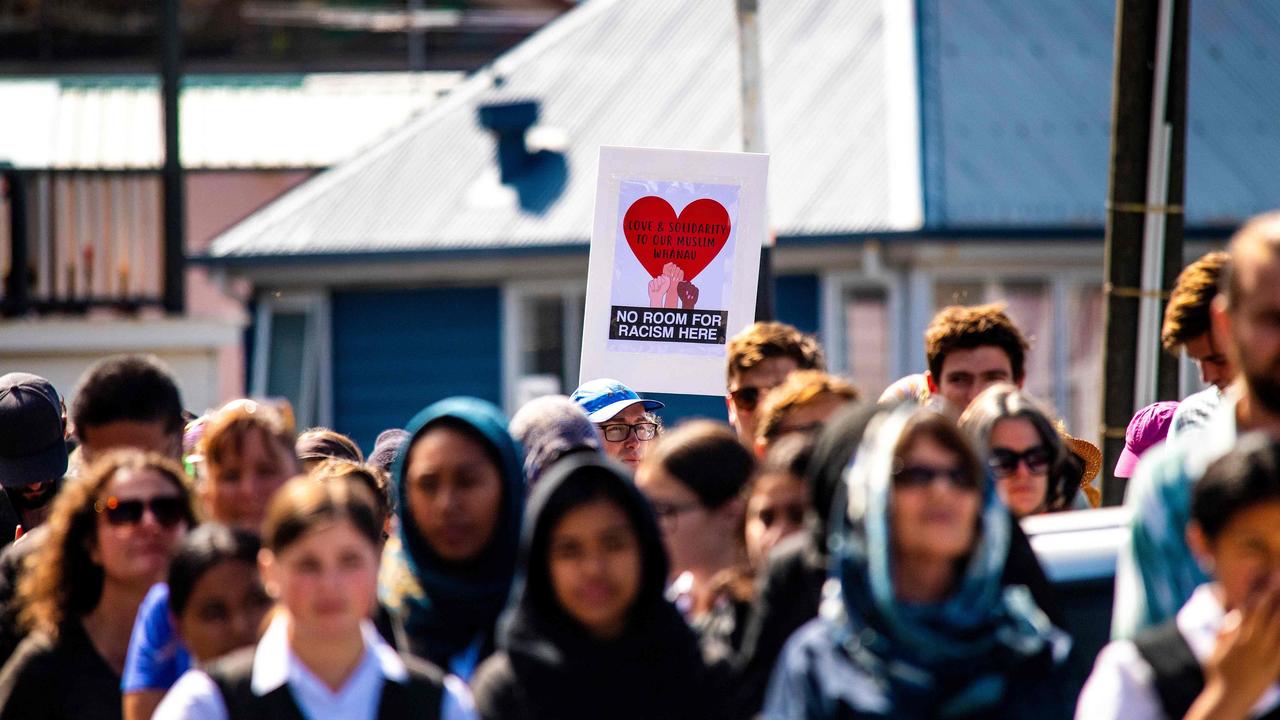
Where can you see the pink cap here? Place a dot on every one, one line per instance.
(1149, 426)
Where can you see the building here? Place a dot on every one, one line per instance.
(86, 151)
(922, 154)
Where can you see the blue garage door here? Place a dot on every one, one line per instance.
(395, 351)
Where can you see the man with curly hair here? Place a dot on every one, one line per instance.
(1187, 328)
(970, 348)
(761, 356)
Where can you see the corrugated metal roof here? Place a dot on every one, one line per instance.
(1016, 111)
(662, 73)
(228, 121)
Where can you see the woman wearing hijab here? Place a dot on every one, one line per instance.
(459, 495)
(590, 634)
(919, 622)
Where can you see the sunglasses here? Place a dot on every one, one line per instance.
(1004, 462)
(168, 511)
(746, 398)
(619, 432)
(922, 476)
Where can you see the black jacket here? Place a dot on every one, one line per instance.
(549, 667)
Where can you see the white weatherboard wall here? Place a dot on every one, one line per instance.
(60, 350)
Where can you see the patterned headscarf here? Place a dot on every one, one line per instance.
(944, 659)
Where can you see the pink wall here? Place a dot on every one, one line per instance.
(215, 202)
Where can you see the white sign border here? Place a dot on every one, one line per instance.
(659, 372)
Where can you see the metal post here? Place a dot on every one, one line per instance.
(17, 292)
(1147, 121)
(174, 196)
(748, 14)
(417, 40)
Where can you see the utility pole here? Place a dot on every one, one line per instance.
(1144, 213)
(175, 290)
(748, 14)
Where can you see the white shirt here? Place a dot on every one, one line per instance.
(1195, 411)
(1122, 684)
(196, 697)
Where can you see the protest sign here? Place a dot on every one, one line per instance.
(675, 257)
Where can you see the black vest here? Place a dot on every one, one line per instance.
(1179, 678)
(420, 697)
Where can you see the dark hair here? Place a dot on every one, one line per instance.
(964, 327)
(1246, 476)
(60, 578)
(203, 549)
(303, 504)
(1004, 401)
(790, 455)
(373, 478)
(319, 443)
(706, 457)
(127, 387)
(942, 430)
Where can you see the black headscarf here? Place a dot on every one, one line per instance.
(653, 671)
(832, 451)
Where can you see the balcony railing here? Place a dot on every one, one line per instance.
(75, 240)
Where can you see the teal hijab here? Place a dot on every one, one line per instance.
(448, 607)
(949, 659)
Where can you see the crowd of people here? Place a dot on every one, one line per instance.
(822, 554)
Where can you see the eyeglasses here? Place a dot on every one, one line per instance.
(746, 398)
(167, 511)
(619, 432)
(1004, 462)
(668, 512)
(922, 476)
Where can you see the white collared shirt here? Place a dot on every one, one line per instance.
(196, 697)
(1122, 684)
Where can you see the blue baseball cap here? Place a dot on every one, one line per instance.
(603, 398)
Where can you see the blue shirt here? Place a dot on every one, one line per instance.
(157, 657)
(1155, 570)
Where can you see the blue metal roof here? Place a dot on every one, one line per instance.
(1016, 111)
(659, 73)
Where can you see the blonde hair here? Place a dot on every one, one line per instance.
(1186, 317)
(798, 390)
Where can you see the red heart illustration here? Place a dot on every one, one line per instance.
(691, 241)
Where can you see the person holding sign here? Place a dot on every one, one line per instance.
(625, 420)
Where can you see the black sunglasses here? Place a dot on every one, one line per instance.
(1004, 462)
(167, 511)
(619, 432)
(746, 398)
(920, 476)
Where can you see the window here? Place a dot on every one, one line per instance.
(864, 316)
(542, 340)
(1061, 317)
(292, 354)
